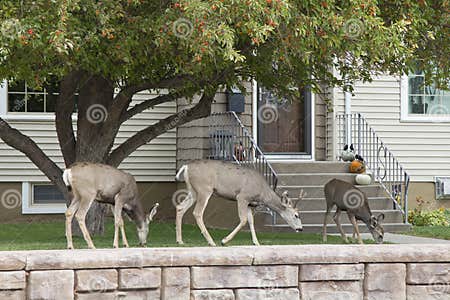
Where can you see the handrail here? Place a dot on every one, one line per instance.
(378, 158)
(230, 140)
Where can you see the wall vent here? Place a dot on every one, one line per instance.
(442, 188)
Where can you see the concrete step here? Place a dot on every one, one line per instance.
(348, 228)
(316, 217)
(312, 204)
(310, 167)
(316, 191)
(313, 178)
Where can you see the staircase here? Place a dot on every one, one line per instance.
(311, 177)
(230, 140)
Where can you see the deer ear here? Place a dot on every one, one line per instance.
(380, 217)
(152, 212)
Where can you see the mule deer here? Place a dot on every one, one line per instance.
(243, 184)
(105, 184)
(347, 197)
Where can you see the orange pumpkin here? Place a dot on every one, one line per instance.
(357, 167)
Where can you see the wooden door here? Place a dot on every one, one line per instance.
(281, 125)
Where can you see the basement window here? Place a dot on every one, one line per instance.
(42, 198)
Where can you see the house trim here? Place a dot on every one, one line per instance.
(29, 208)
(405, 117)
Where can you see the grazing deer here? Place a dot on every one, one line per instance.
(243, 184)
(91, 182)
(349, 198)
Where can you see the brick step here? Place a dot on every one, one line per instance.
(316, 191)
(310, 167)
(332, 228)
(312, 204)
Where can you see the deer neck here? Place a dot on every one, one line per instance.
(136, 213)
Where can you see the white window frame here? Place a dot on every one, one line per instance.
(28, 207)
(404, 107)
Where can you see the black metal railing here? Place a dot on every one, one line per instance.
(230, 140)
(378, 158)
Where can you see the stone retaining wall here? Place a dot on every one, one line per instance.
(310, 272)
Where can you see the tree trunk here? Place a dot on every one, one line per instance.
(95, 136)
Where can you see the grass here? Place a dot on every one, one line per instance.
(37, 236)
(438, 232)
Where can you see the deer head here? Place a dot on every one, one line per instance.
(289, 213)
(376, 229)
(142, 230)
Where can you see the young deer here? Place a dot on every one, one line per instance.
(91, 182)
(245, 185)
(349, 198)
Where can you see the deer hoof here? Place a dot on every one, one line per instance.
(180, 242)
(222, 242)
(70, 247)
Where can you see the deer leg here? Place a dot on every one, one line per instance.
(118, 221)
(355, 227)
(81, 218)
(70, 212)
(242, 211)
(124, 237)
(337, 220)
(325, 221)
(181, 210)
(199, 210)
(251, 224)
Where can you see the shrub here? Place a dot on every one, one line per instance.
(421, 217)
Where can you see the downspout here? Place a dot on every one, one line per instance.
(348, 114)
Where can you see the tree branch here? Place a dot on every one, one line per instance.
(26, 145)
(200, 110)
(63, 115)
(149, 103)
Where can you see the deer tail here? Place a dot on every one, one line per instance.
(67, 178)
(180, 175)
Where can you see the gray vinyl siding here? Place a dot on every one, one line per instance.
(422, 148)
(155, 161)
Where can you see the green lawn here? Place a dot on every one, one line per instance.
(438, 232)
(33, 236)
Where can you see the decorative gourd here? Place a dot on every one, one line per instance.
(357, 167)
(348, 153)
(363, 179)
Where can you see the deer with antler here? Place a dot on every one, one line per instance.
(91, 182)
(235, 182)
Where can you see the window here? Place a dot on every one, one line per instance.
(19, 101)
(42, 198)
(21, 98)
(422, 102)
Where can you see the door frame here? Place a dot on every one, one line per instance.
(310, 138)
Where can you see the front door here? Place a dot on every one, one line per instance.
(284, 128)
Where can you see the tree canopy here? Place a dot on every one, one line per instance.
(149, 42)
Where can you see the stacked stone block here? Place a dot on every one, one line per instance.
(336, 272)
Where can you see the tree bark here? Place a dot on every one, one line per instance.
(65, 105)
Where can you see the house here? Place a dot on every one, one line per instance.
(406, 119)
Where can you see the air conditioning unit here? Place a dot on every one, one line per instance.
(442, 188)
